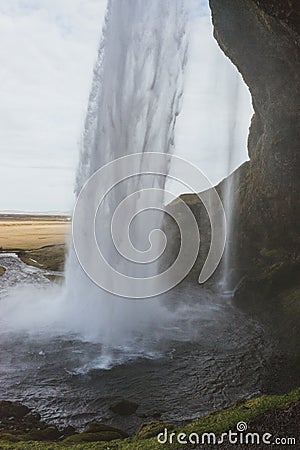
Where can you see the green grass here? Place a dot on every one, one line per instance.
(216, 422)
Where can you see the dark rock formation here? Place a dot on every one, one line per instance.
(261, 37)
(14, 410)
(18, 422)
(124, 407)
(96, 432)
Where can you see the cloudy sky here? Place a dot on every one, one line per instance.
(47, 52)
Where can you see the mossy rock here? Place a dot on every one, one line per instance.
(152, 429)
(33, 418)
(47, 434)
(2, 270)
(13, 409)
(124, 407)
(100, 427)
(102, 436)
(10, 437)
(290, 301)
(226, 419)
(68, 431)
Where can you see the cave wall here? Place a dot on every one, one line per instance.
(261, 37)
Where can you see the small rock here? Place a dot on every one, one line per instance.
(124, 407)
(68, 431)
(33, 418)
(48, 434)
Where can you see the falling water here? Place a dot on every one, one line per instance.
(134, 102)
(229, 191)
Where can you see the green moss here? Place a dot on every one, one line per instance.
(290, 301)
(273, 254)
(10, 437)
(104, 436)
(152, 429)
(217, 422)
(224, 420)
(47, 434)
(50, 258)
(99, 427)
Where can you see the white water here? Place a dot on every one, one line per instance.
(230, 184)
(133, 105)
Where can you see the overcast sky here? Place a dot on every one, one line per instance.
(47, 52)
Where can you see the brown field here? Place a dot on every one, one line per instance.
(32, 232)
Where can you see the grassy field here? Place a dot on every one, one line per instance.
(25, 232)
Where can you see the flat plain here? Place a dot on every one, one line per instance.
(29, 232)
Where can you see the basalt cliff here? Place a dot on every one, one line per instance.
(261, 37)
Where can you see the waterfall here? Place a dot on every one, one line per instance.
(229, 194)
(230, 200)
(134, 101)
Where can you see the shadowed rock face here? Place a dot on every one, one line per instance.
(261, 37)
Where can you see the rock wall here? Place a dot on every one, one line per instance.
(261, 37)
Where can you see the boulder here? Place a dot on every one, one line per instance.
(12, 409)
(124, 407)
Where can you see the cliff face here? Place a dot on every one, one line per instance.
(261, 37)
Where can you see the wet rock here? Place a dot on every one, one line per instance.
(124, 407)
(47, 434)
(32, 418)
(12, 409)
(261, 37)
(99, 427)
(68, 431)
(105, 436)
(2, 270)
(95, 432)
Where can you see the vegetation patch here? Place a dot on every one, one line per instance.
(216, 422)
(49, 258)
